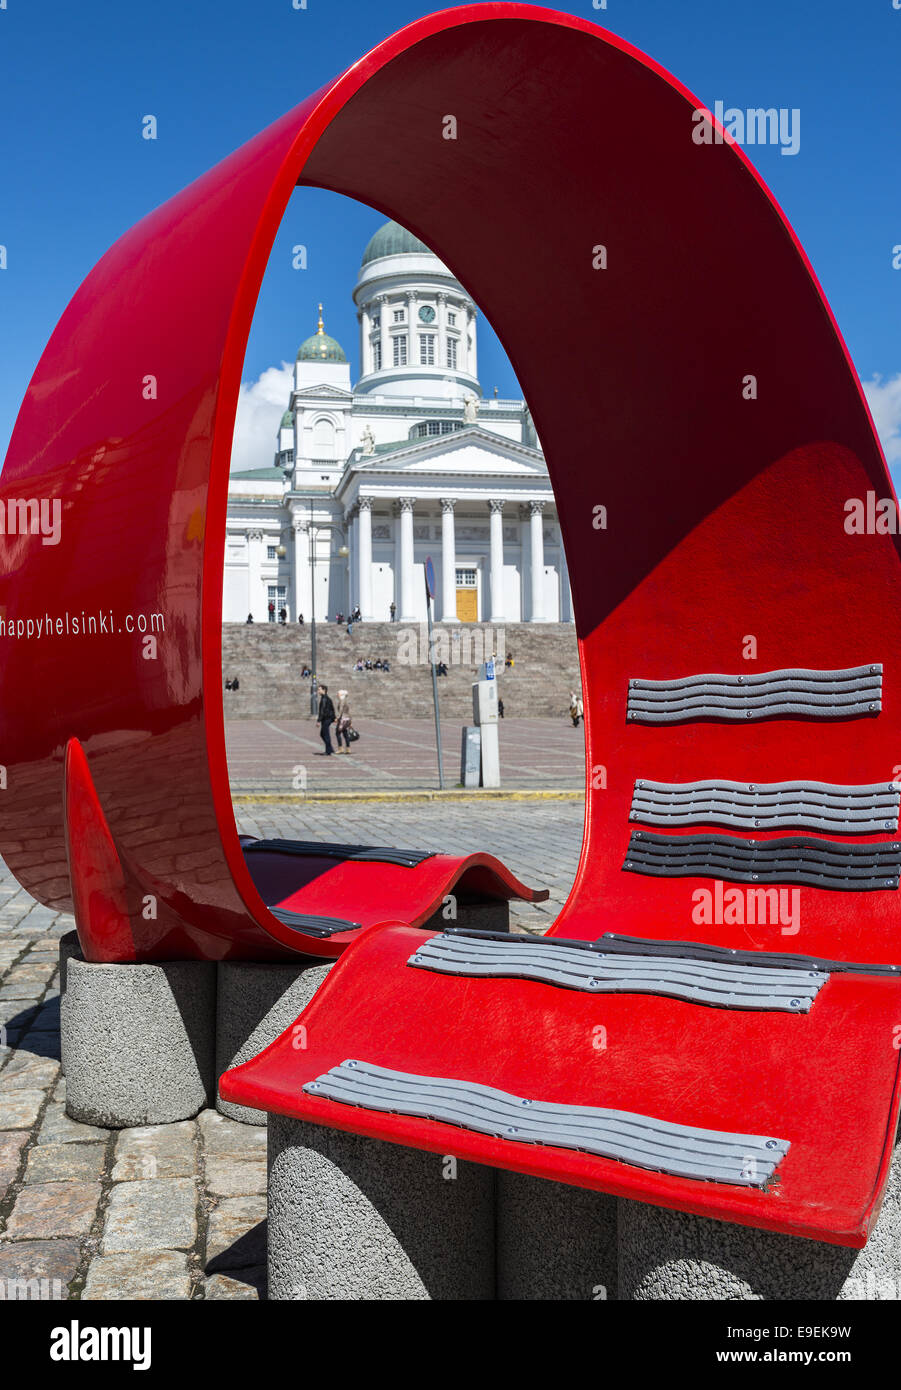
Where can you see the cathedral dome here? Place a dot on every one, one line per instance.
(392, 240)
(287, 420)
(320, 347)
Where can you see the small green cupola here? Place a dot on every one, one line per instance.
(320, 347)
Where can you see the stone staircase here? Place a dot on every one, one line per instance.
(267, 658)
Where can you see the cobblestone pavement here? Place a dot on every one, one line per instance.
(178, 1211)
(278, 756)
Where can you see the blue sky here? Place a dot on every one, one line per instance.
(77, 78)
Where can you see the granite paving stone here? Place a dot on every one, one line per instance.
(158, 1214)
(53, 1209)
(19, 1108)
(155, 1151)
(65, 1163)
(140, 1274)
(55, 1261)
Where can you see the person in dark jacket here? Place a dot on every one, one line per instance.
(326, 717)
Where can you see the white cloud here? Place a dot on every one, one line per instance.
(261, 404)
(884, 398)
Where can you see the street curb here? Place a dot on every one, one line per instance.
(452, 794)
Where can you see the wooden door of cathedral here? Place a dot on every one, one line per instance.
(467, 594)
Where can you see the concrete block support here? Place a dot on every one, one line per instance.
(554, 1242)
(137, 1040)
(256, 1003)
(354, 1218)
(668, 1255)
(68, 947)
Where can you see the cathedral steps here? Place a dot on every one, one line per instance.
(267, 658)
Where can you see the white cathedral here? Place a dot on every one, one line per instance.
(410, 463)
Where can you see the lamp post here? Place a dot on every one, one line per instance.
(314, 684)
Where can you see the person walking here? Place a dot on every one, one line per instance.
(575, 708)
(271, 610)
(326, 718)
(342, 725)
(392, 609)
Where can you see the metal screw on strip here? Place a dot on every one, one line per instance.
(756, 822)
(771, 1144)
(417, 960)
(751, 787)
(889, 882)
(873, 669)
(525, 1102)
(741, 680)
(639, 784)
(350, 1064)
(795, 1003)
(888, 825)
(314, 1086)
(755, 875)
(632, 815)
(628, 863)
(512, 1130)
(747, 714)
(872, 706)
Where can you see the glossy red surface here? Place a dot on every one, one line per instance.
(724, 521)
(826, 1081)
(128, 424)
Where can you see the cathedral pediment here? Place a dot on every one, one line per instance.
(319, 393)
(471, 451)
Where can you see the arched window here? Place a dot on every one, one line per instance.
(323, 437)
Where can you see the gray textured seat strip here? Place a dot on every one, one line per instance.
(311, 925)
(785, 859)
(852, 810)
(377, 854)
(746, 1160)
(685, 950)
(796, 692)
(724, 984)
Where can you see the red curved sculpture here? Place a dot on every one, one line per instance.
(705, 432)
(706, 437)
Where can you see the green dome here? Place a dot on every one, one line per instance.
(287, 420)
(320, 347)
(392, 240)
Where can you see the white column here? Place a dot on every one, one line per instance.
(258, 596)
(471, 332)
(448, 562)
(364, 558)
(536, 531)
(407, 612)
(525, 550)
(365, 346)
(301, 570)
(496, 532)
(395, 512)
(441, 336)
(566, 595)
(350, 521)
(383, 330)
